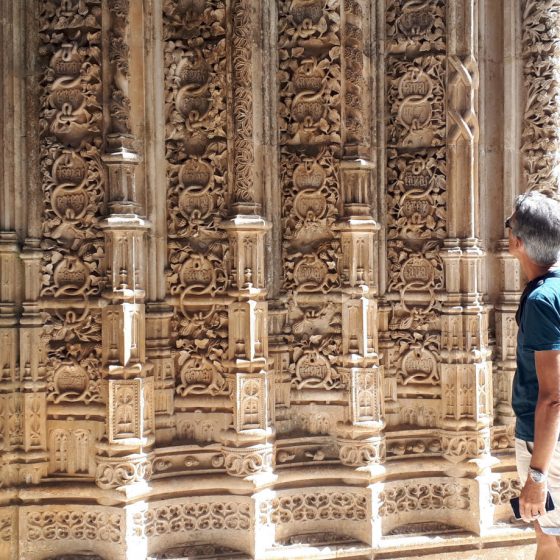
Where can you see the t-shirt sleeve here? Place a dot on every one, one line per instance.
(541, 325)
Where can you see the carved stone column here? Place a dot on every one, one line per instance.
(359, 437)
(248, 443)
(22, 375)
(10, 266)
(124, 455)
(32, 370)
(509, 269)
(466, 370)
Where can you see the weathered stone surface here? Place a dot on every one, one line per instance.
(255, 296)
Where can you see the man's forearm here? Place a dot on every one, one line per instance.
(547, 429)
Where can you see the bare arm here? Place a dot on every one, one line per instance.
(547, 430)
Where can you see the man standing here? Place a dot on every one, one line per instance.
(534, 239)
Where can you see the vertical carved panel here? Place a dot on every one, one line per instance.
(355, 106)
(242, 107)
(540, 136)
(417, 210)
(73, 189)
(119, 103)
(197, 173)
(310, 111)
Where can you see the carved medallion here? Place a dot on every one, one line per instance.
(310, 273)
(69, 204)
(67, 62)
(307, 12)
(309, 175)
(71, 277)
(313, 370)
(416, 97)
(70, 382)
(415, 21)
(197, 274)
(418, 271)
(310, 204)
(69, 169)
(199, 377)
(419, 366)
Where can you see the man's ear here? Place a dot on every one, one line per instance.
(517, 242)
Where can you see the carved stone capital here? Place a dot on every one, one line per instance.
(247, 461)
(358, 453)
(116, 472)
(463, 445)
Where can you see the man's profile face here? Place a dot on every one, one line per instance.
(514, 243)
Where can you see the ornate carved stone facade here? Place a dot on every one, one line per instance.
(255, 296)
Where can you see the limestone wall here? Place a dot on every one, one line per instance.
(255, 296)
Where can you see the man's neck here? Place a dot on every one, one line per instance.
(533, 270)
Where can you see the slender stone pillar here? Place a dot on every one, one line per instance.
(466, 370)
(23, 368)
(248, 444)
(360, 437)
(509, 269)
(11, 412)
(124, 455)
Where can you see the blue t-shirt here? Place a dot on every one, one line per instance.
(539, 329)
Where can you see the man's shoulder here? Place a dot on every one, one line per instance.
(546, 296)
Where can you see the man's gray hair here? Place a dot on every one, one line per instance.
(536, 221)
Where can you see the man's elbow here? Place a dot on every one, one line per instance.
(551, 402)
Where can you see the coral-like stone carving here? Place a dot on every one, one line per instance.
(540, 135)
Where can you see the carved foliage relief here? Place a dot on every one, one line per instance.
(416, 196)
(311, 506)
(310, 56)
(73, 185)
(72, 176)
(83, 524)
(196, 93)
(540, 136)
(415, 27)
